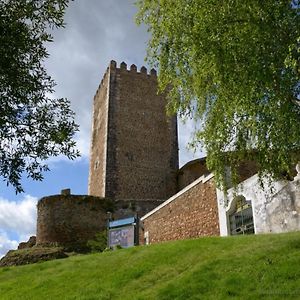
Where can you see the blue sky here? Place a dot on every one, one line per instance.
(96, 32)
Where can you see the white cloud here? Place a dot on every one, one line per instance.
(17, 222)
(6, 244)
(185, 134)
(82, 140)
(84, 135)
(81, 53)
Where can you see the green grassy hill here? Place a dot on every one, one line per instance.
(246, 267)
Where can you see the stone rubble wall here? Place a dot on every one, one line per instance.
(70, 220)
(191, 213)
(98, 151)
(129, 208)
(191, 171)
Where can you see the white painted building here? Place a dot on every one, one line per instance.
(249, 208)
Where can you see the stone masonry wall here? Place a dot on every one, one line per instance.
(98, 150)
(247, 169)
(191, 213)
(147, 150)
(191, 171)
(142, 146)
(125, 209)
(70, 220)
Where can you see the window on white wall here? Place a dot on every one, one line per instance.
(240, 216)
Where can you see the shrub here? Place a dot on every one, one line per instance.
(99, 243)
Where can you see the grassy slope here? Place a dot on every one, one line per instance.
(250, 267)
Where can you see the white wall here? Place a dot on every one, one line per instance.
(273, 211)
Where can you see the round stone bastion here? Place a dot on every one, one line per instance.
(70, 220)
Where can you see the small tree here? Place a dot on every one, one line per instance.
(235, 67)
(33, 126)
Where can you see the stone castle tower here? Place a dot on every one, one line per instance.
(134, 148)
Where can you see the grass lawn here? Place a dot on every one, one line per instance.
(245, 267)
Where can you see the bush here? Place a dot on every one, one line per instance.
(99, 243)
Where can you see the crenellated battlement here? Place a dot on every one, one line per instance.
(124, 68)
(133, 68)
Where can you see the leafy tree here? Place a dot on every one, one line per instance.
(33, 126)
(233, 66)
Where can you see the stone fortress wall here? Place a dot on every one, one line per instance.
(191, 171)
(70, 220)
(191, 213)
(98, 147)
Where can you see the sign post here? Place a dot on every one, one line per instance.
(123, 232)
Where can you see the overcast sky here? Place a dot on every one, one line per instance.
(96, 32)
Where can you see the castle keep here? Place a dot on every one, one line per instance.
(134, 147)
